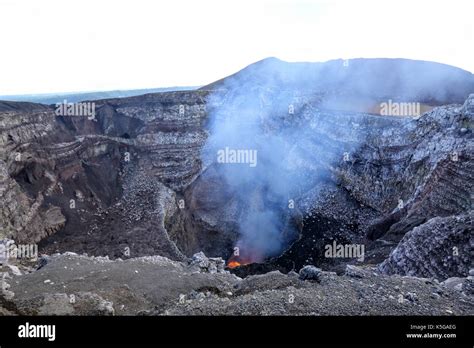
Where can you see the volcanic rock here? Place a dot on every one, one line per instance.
(154, 285)
(440, 248)
(202, 263)
(138, 182)
(310, 273)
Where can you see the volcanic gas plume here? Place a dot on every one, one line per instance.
(261, 120)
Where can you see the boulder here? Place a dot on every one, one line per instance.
(310, 273)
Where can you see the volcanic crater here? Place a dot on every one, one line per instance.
(143, 179)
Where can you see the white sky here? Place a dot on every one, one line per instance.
(51, 46)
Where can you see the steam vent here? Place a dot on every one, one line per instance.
(349, 181)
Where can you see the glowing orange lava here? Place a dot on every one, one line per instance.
(233, 264)
(243, 258)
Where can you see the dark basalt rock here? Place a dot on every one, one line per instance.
(310, 273)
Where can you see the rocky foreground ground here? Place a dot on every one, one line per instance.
(71, 284)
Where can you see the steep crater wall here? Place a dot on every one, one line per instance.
(138, 181)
